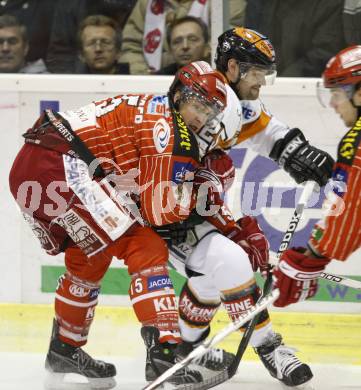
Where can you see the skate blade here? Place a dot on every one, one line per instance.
(164, 386)
(305, 386)
(58, 381)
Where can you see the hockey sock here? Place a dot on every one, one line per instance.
(75, 302)
(195, 316)
(238, 300)
(154, 301)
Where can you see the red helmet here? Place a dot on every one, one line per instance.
(200, 79)
(344, 68)
(342, 73)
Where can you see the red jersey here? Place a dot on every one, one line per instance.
(140, 132)
(338, 236)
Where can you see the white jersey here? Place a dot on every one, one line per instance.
(248, 124)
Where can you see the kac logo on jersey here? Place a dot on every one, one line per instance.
(159, 282)
(78, 291)
(161, 135)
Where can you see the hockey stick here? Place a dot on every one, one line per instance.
(208, 344)
(306, 194)
(341, 280)
(232, 369)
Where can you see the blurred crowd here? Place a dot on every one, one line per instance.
(159, 36)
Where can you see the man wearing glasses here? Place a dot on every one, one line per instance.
(99, 40)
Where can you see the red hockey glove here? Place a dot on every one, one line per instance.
(208, 191)
(296, 276)
(251, 238)
(222, 165)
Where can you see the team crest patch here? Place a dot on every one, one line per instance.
(182, 171)
(339, 177)
(161, 135)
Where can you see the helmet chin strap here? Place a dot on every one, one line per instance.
(233, 84)
(234, 87)
(358, 108)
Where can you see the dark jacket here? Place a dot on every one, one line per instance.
(168, 70)
(305, 33)
(37, 16)
(122, 68)
(352, 22)
(63, 50)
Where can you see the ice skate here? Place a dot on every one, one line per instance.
(64, 359)
(215, 359)
(160, 357)
(282, 364)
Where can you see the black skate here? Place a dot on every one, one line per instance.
(281, 362)
(63, 358)
(215, 359)
(160, 357)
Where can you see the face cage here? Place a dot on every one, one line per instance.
(207, 137)
(329, 97)
(188, 95)
(257, 74)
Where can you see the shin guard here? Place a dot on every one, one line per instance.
(154, 301)
(239, 299)
(195, 316)
(75, 302)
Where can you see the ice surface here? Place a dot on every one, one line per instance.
(25, 371)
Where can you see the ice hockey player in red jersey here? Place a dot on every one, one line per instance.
(85, 180)
(339, 233)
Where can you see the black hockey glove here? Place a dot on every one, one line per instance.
(172, 234)
(301, 160)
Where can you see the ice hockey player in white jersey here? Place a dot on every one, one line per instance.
(220, 263)
(247, 60)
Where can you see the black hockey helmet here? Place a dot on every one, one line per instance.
(248, 47)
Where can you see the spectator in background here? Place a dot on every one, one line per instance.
(144, 46)
(37, 17)
(352, 22)
(188, 39)
(305, 34)
(14, 46)
(62, 56)
(99, 39)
